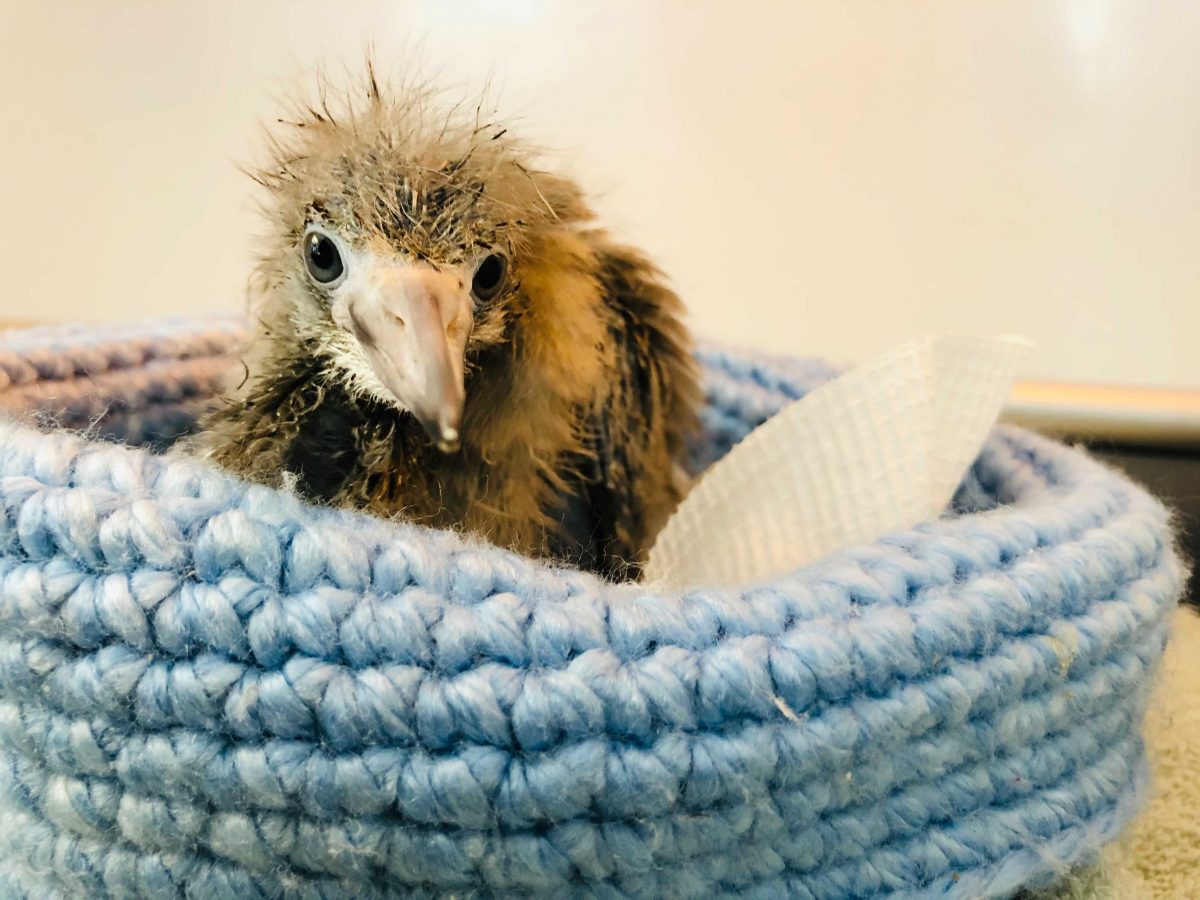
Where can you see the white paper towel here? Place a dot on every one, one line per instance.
(880, 448)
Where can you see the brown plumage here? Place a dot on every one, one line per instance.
(549, 418)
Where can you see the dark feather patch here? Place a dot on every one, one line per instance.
(324, 453)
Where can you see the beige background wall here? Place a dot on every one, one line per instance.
(818, 177)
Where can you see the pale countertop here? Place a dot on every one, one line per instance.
(1131, 416)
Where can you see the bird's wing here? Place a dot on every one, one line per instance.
(628, 482)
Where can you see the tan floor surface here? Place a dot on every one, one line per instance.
(1163, 847)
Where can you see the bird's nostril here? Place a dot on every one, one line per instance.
(397, 319)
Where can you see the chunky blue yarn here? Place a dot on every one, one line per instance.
(213, 690)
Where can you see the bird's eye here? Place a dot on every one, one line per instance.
(489, 277)
(322, 258)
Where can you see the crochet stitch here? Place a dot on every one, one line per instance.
(210, 689)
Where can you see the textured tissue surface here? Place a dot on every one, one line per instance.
(878, 449)
(212, 690)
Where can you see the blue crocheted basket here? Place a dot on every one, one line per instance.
(212, 690)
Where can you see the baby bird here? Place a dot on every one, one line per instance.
(442, 334)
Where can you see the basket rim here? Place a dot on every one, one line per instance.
(1051, 487)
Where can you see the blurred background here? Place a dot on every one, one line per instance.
(824, 178)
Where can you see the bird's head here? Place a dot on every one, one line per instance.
(406, 240)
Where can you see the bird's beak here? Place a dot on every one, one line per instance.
(413, 322)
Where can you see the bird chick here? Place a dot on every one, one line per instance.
(441, 333)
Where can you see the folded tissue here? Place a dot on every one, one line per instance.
(878, 449)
